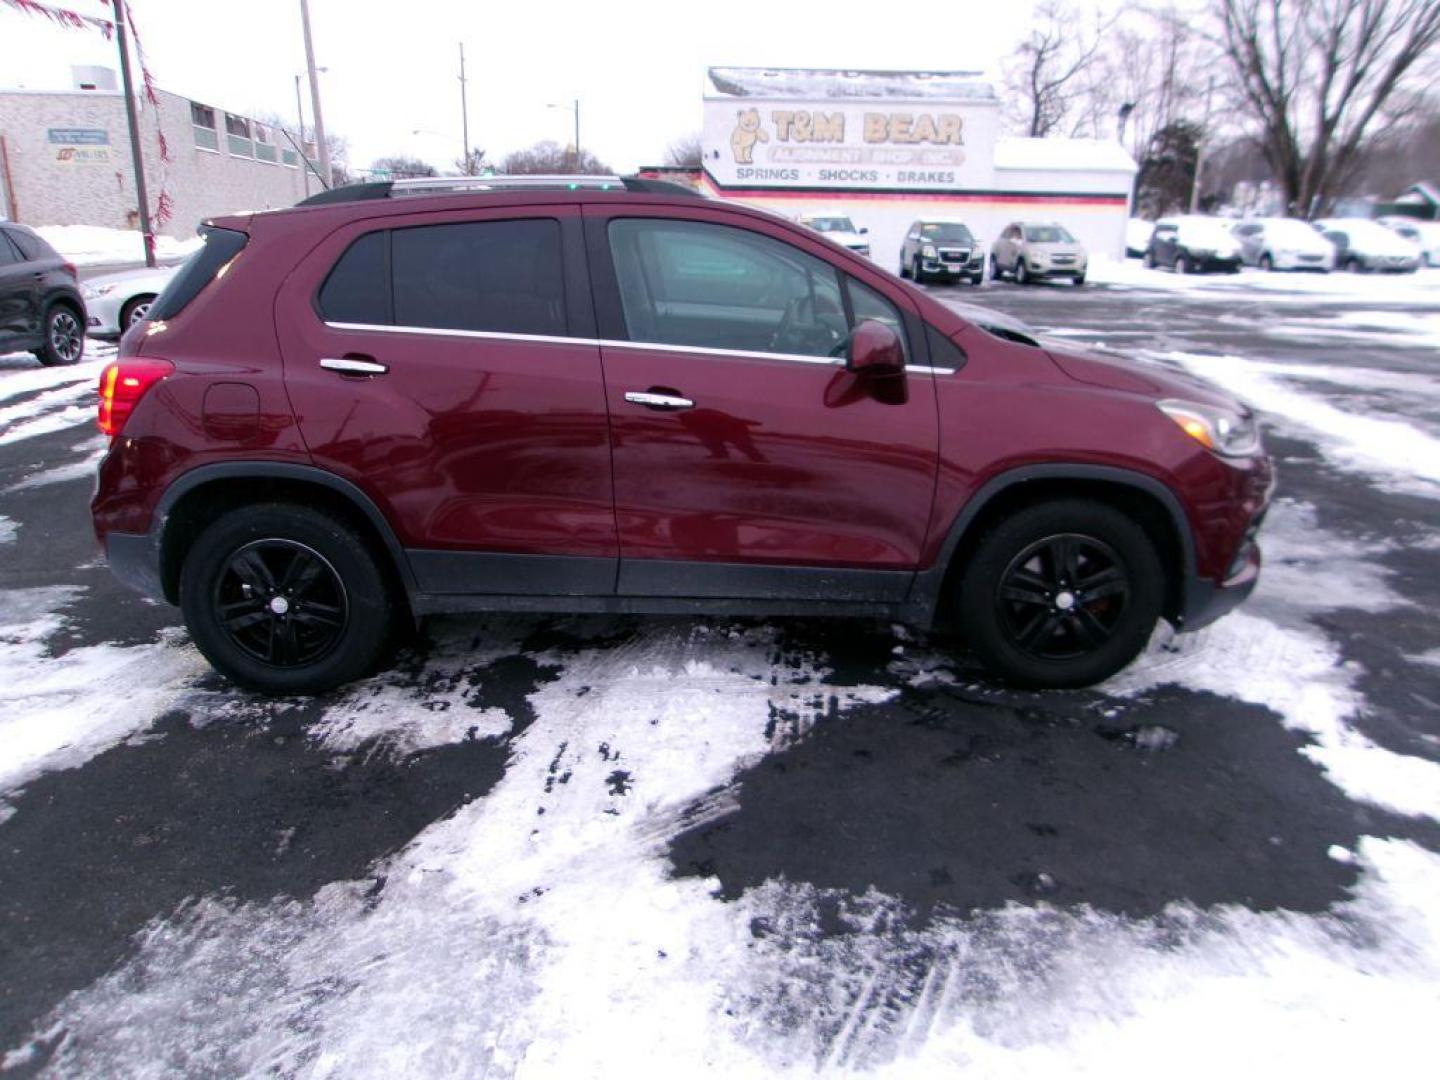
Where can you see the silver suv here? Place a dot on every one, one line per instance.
(1033, 250)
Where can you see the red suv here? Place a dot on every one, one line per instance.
(617, 396)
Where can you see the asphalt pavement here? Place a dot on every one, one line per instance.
(879, 763)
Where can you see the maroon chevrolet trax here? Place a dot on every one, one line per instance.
(606, 395)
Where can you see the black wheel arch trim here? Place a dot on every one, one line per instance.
(188, 481)
(925, 592)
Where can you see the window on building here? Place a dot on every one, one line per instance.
(237, 132)
(202, 119)
(264, 143)
(289, 157)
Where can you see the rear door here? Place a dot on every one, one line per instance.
(748, 462)
(447, 364)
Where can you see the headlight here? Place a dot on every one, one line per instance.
(91, 292)
(1221, 430)
(928, 251)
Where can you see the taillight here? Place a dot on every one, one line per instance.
(122, 384)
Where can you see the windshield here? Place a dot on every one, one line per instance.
(830, 224)
(1048, 234)
(944, 230)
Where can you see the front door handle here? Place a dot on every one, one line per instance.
(653, 400)
(353, 365)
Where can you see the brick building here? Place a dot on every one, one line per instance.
(66, 159)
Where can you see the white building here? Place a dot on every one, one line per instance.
(889, 147)
(65, 159)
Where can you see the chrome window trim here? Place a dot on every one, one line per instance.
(612, 343)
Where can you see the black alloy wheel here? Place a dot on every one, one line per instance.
(281, 603)
(1062, 597)
(1061, 594)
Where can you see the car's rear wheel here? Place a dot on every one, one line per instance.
(1062, 594)
(285, 599)
(64, 338)
(994, 269)
(134, 311)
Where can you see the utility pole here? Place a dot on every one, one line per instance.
(136, 159)
(300, 111)
(464, 117)
(577, 135)
(325, 175)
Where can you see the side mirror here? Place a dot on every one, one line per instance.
(864, 229)
(875, 349)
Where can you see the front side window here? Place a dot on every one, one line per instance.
(500, 277)
(831, 224)
(8, 252)
(714, 286)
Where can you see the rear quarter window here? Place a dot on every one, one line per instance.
(357, 289)
(221, 245)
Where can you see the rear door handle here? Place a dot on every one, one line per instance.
(663, 402)
(353, 365)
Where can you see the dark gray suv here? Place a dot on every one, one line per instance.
(943, 251)
(40, 306)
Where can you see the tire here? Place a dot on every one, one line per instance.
(1354, 265)
(1038, 644)
(1022, 276)
(337, 616)
(1182, 264)
(1149, 259)
(916, 273)
(904, 270)
(1267, 263)
(64, 337)
(977, 279)
(134, 310)
(1079, 280)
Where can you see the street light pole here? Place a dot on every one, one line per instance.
(300, 111)
(577, 136)
(325, 175)
(464, 117)
(136, 158)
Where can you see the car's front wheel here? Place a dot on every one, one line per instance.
(285, 599)
(64, 338)
(916, 272)
(1267, 263)
(1182, 264)
(1022, 276)
(1061, 594)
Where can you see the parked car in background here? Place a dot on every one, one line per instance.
(942, 250)
(618, 396)
(1193, 244)
(841, 229)
(1035, 250)
(1426, 234)
(1283, 244)
(1137, 236)
(41, 310)
(1364, 246)
(116, 301)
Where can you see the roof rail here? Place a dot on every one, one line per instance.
(445, 185)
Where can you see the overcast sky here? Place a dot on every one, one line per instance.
(636, 66)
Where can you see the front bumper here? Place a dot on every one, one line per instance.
(1053, 270)
(103, 315)
(939, 268)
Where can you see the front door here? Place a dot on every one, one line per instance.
(18, 316)
(446, 363)
(747, 461)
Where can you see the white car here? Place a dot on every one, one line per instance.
(1362, 244)
(840, 228)
(115, 301)
(1283, 244)
(1424, 233)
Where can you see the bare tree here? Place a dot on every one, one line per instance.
(1318, 76)
(1049, 73)
(401, 167)
(685, 152)
(474, 165)
(550, 159)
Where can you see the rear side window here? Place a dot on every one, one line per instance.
(32, 246)
(501, 276)
(9, 253)
(358, 288)
(221, 245)
(497, 276)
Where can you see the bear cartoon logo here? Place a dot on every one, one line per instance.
(746, 134)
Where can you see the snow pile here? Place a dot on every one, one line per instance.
(1422, 287)
(93, 245)
(42, 400)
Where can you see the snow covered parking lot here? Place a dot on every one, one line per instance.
(573, 847)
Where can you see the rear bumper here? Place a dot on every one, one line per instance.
(135, 560)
